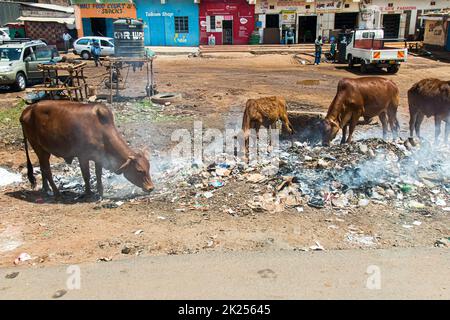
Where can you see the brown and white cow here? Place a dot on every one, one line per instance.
(86, 131)
(429, 97)
(366, 97)
(264, 112)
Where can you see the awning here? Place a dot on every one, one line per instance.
(99, 1)
(48, 19)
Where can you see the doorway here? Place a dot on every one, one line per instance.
(272, 21)
(346, 20)
(98, 27)
(227, 26)
(307, 26)
(391, 25)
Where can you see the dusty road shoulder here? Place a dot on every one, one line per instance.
(412, 273)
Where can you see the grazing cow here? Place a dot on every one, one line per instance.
(361, 97)
(86, 131)
(429, 97)
(264, 112)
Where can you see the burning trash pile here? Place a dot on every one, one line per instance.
(347, 176)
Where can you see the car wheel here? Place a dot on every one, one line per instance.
(85, 55)
(351, 62)
(21, 82)
(363, 67)
(393, 69)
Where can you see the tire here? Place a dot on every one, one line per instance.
(85, 55)
(393, 69)
(351, 62)
(363, 67)
(162, 98)
(21, 82)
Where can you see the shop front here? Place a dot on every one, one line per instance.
(226, 21)
(278, 19)
(336, 16)
(401, 18)
(169, 22)
(96, 17)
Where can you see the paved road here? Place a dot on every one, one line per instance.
(403, 273)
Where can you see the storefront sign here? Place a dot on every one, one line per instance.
(107, 10)
(243, 21)
(329, 6)
(287, 17)
(159, 14)
(398, 8)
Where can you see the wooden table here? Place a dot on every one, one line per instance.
(73, 85)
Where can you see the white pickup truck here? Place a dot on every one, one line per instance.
(367, 48)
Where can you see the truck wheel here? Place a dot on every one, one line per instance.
(351, 62)
(21, 82)
(85, 55)
(393, 69)
(363, 67)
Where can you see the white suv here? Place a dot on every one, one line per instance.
(82, 46)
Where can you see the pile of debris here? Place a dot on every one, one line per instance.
(397, 174)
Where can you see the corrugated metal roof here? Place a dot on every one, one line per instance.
(48, 19)
(47, 6)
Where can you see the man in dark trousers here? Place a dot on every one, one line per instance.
(95, 50)
(318, 50)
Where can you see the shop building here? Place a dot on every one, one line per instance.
(169, 22)
(47, 22)
(226, 21)
(437, 33)
(310, 18)
(306, 18)
(401, 18)
(96, 17)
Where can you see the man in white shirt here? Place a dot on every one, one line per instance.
(66, 37)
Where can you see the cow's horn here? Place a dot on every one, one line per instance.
(123, 166)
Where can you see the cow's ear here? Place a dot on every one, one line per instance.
(146, 152)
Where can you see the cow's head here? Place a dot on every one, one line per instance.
(329, 129)
(137, 170)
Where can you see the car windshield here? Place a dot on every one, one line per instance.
(10, 54)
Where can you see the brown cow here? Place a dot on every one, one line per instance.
(264, 112)
(429, 97)
(86, 131)
(361, 97)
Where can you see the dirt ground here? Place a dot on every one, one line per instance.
(214, 90)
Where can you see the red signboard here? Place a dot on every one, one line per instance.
(239, 18)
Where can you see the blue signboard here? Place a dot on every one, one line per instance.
(174, 23)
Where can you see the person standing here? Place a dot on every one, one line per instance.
(96, 50)
(66, 37)
(318, 50)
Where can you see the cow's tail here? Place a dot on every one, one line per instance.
(30, 174)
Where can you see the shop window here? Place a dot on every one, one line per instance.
(212, 22)
(368, 35)
(433, 3)
(390, 5)
(181, 24)
(347, 5)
